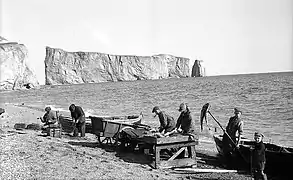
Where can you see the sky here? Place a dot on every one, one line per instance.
(230, 36)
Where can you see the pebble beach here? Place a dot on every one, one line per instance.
(28, 154)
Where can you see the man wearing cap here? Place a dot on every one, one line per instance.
(78, 117)
(234, 127)
(49, 119)
(167, 123)
(258, 157)
(185, 122)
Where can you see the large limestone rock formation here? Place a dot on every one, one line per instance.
(63, 67)
(14, 72)
(197, 69)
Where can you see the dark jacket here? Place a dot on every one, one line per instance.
(167, 122)
(78, 114)
(235, 124)
(50, 117)
(186, 122)
(258, 155)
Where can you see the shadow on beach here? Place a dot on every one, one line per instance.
(205, 159)
(127, 156)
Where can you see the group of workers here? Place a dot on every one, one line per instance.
(50, 119)
(185, 125)
(234, 132)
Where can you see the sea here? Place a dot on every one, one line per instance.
(266, 100)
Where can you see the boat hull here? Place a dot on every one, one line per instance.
(96, 124)
(278, 159)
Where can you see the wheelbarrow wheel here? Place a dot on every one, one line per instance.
(109, 141)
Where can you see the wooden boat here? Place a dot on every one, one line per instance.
(107, 128)
(279, 159)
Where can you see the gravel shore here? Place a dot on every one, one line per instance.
(28, 154)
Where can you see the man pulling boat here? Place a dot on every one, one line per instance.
(230, 141)
(235, 130)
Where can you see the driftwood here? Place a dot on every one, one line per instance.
(193, 170)
(17, 132)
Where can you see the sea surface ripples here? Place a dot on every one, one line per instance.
(265, 99)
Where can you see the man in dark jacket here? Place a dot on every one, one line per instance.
(258, 157)
(185, 122)
(78, 117)
(167, 123)
(235, 130)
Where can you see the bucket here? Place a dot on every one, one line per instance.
(54, 132)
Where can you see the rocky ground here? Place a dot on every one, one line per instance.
(28, 154)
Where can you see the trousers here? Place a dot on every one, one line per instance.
(80, 127)
(258, 173)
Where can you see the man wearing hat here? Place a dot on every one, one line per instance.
(185, 122)
(258, 157)
(49, 118)
(235, 130)
(167, 123)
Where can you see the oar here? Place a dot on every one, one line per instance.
(206, 109)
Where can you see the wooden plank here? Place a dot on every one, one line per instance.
(191, 152)
(185, 162)
(151, 139)
(157, 157)
(148, 139)
(197, 170)
(206, 141)
(177, 153)
(175, 145)
(173, 139)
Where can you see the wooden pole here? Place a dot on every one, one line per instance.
(206, 170)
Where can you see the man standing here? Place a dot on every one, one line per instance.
(234, 129)
(78, 117)
(167, 123)
(185, 122)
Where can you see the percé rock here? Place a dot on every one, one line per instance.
(197, 69)
(15, 74)
(63, 67)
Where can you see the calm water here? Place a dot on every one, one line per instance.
(265, 99)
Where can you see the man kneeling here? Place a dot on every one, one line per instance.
(49, 119)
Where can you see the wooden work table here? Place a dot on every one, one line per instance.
(181, 143)
(178, 143)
